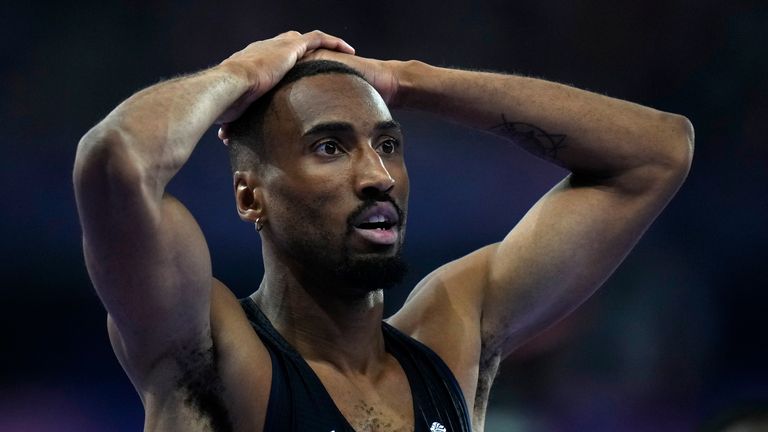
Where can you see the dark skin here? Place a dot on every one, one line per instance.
(346, 142)
(306, 193)
(321, 178)
(150, 265)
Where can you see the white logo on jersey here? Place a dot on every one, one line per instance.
(437, 427)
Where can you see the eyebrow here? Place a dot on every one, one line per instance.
(342, 127)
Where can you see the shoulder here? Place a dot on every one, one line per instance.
(444, 312)
(450, 294)
(226, 371)
(240, 352)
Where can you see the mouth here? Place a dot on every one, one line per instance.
(378, 224)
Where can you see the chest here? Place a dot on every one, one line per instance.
(409, 389)
(383, 403)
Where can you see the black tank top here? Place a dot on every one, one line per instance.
(298, 401)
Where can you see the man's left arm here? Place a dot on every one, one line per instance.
(626, 161)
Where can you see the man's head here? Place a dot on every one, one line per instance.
(320, 159)
(246, 134)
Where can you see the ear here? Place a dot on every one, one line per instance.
(249, 196)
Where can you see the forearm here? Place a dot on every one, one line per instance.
(155, 130)
(589, 134)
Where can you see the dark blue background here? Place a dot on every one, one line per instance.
(675, 337)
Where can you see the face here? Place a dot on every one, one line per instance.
(335, 186)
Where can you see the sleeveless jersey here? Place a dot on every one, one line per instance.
(298, 401)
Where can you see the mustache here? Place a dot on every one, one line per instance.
(369, 202)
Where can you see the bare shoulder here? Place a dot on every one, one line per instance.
(235, 341)
(243, 362)
(444, 312)
(223, 377)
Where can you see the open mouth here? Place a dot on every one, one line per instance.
(377, 222)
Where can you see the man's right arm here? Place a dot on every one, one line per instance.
(146, 255)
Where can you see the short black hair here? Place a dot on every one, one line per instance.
(246, 134)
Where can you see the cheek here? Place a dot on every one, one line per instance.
(307, 204)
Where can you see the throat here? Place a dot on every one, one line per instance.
(345, 333)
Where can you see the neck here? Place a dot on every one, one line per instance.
(323, 323)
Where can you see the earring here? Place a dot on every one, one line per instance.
(259, 224)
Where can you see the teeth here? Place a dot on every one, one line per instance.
(376, 219)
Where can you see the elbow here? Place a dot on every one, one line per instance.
(677, 145)
(663, 165)
(104, 162)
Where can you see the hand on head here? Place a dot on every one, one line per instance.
(382, 75)
(264, 63)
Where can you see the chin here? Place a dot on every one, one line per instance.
(371, 272)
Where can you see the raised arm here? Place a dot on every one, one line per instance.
(626, 162)
(145, 254)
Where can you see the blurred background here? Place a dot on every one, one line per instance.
(677, 336)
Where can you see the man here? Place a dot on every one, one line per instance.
(318, 168)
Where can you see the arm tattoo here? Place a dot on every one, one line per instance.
(531, 138)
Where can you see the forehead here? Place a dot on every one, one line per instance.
(330, 98)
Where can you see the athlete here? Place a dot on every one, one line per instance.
(318, 168)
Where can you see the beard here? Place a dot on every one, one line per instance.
(331, 265)
(366, 274)
(346, 274)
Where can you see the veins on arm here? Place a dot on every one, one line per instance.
(532, 138)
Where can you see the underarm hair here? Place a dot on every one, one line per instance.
(201, 384)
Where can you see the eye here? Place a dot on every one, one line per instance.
(328, 148)
(388, 146)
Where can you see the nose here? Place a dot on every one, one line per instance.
(373, 178)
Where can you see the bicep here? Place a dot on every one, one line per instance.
(562, 250)
(147, 259)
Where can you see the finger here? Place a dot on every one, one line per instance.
(288, 34)
(317, 39)
(324, 54)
